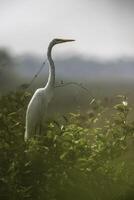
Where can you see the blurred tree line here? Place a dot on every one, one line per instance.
(5, 67)
(8, 75)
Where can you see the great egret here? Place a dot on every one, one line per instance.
(38, 104)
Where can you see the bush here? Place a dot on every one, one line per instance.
(80, 159)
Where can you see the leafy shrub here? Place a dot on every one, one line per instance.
(80, 159)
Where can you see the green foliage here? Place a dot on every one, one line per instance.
(80, 159)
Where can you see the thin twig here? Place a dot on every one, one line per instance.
(37, 74)
(73, 83)
(27, 85)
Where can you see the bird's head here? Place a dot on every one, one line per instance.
(59, 40)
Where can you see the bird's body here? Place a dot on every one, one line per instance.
(36, 111)
(37, 107)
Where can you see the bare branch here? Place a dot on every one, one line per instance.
(27, 85)
(73, 83)
(38, 72)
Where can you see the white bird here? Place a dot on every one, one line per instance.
(37, 107)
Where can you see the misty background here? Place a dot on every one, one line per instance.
(101, 58)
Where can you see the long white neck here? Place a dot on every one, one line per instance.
(51, 77)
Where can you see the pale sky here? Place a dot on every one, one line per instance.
(103, 28)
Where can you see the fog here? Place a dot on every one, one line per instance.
(101, 28)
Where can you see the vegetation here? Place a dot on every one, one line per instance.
(88, 157)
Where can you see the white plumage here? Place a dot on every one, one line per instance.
(36, 112)
(37, 107)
